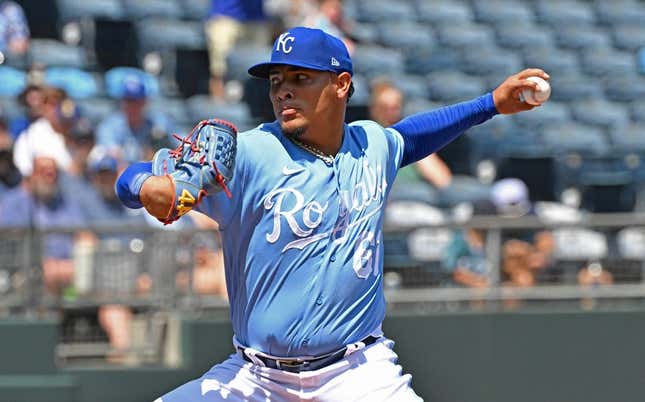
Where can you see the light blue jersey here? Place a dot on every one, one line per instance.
(302, 239)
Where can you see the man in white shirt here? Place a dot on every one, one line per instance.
(50, 133)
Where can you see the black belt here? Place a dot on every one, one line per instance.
(296, 366)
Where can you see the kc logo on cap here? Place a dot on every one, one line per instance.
(283, 42)
(308, 48)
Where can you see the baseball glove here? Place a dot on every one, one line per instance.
(201, 164)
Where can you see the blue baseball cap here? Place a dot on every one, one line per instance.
(133, 87)
(308, 48)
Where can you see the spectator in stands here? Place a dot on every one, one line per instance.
(386, 108)
(134, 133)
(42, 203)
(50, 133)
(32, 99)
(81, 141)
(526, 254)
(230, 23)
(9, 175)
(14, 31)
(328, 16)
(465, 256)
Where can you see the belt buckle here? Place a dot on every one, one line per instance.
(291, 364)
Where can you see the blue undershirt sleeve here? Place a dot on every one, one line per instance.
(427, 132)
(128, 185)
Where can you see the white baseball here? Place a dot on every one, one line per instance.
(537, 97)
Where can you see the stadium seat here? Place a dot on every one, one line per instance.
(601, 113)
(96, 109)
(175, 108)
(604, 62)
(551, 112)
(465, 36)
(501, 11)
(628, 138)
(553, 60)
(138, 9)
(423, 60)
(375, 60)
(379, 11)
(412, 86)
(582, 37)
(625, 88)
(13, 81)
(169, 33)
(463, 188)
(628, 37)
(197, 10)
(607, 191)
(202, 107)
(574, 137)
(631, 243)
(444, 12)
(561, 13)
(491, 60)
(637, 110)
(447, 86)
(418, 105)
(74, 10)
(78, 84)
(579, 244)
(52, 53)
(487, 138)
(521, 36)
(241, 58)
(618, 12)
(406, 35)
(570, 87)
(365, 33)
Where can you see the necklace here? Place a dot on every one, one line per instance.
(328, 159)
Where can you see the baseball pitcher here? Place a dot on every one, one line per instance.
(300, 204)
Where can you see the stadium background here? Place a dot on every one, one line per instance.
(580, 155)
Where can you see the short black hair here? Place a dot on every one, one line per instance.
(351, 90)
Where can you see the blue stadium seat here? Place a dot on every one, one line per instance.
(559, 12)
(452, 86)
(444, 12)
(583, 37)
(522, 36)
(12, 81)
(195, 9)
(424, 60)
(637, 110)
(552, 112)
(502, 11)
(463, 188)
(378, 11)
(466, 36)
(418, 105)
(625, 88)
(628, 138)
(365, 33)
(553, 60)
(573, 87)
(601, 113)
(487, 138)
(407, 35)
(640, 60)
(52, 53)
(175, 108)
(374, 60)
(78, 84)
(202, 107)
(361, 94)
(629, 37)
(167, 33)
(491, 60)
(575, 137)
(617, 12)
(137, 9)
(96, 109)
(243, 57)
(74, 10)
(412, 86)
(115, 76)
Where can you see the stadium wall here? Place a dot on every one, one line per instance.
(510, 356)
